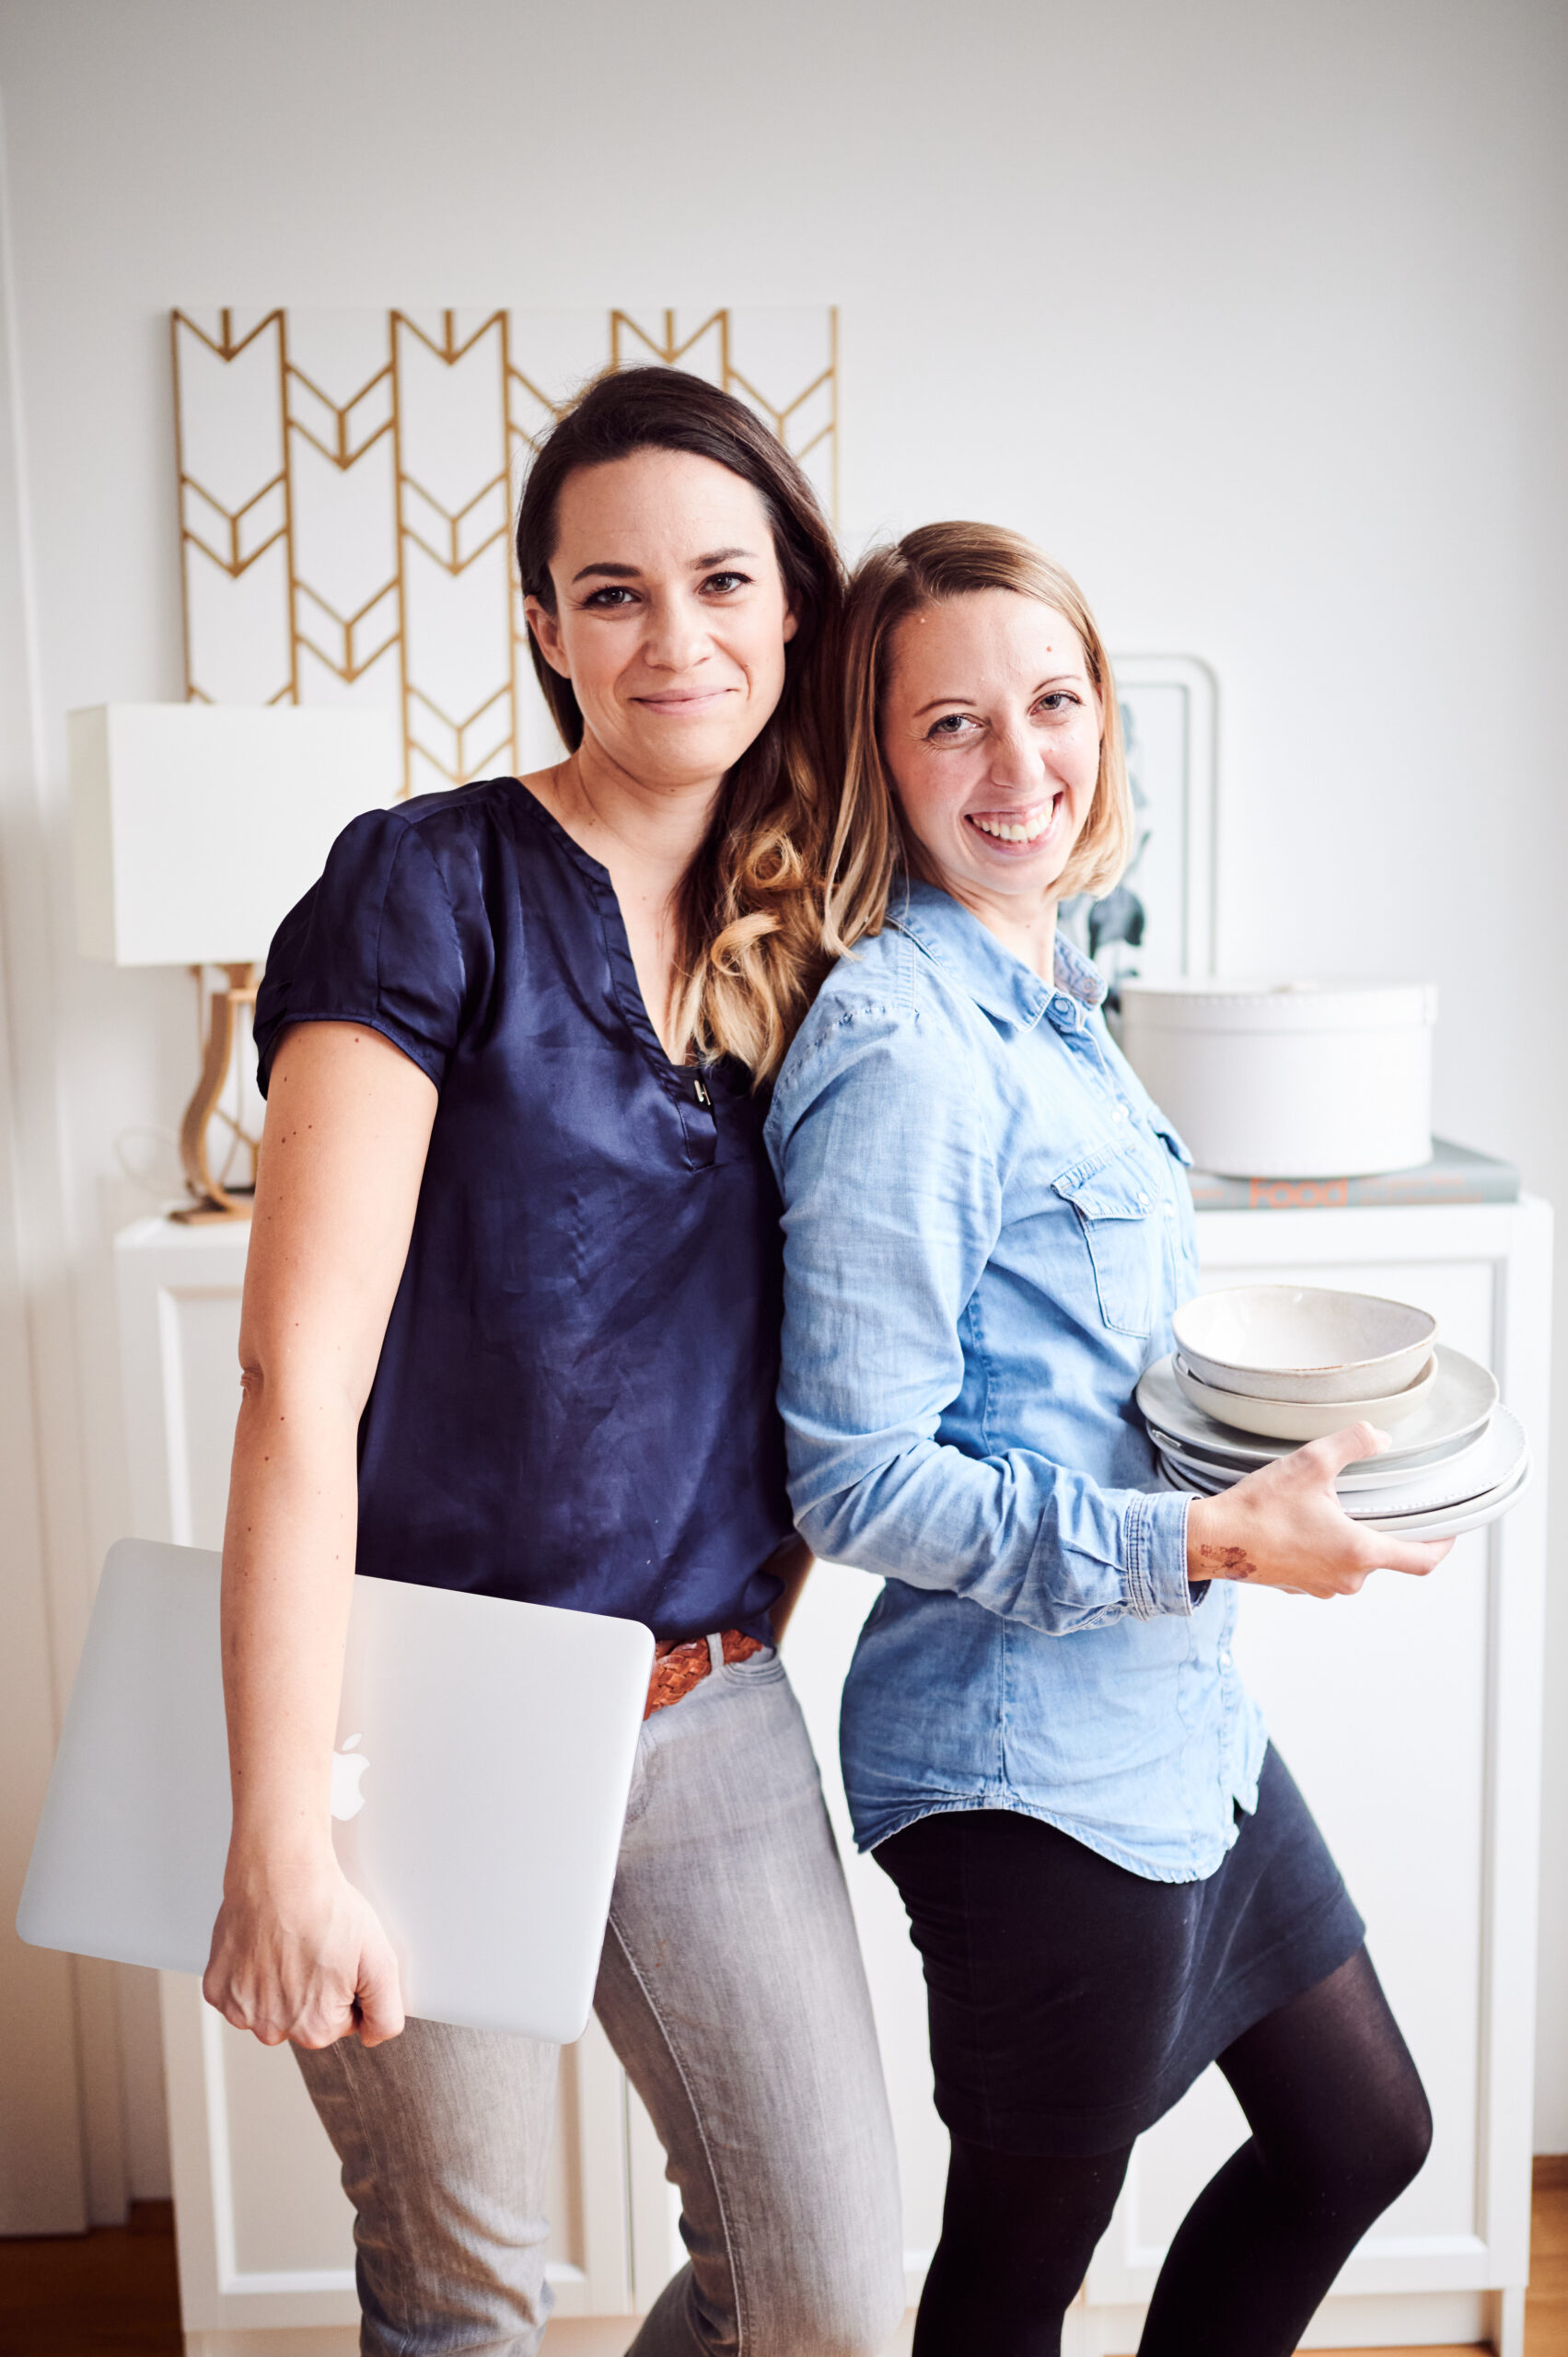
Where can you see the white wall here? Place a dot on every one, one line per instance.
(1254, 316)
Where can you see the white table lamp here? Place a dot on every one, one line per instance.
(195, 827)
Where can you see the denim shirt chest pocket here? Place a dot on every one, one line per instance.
(1116, 1201)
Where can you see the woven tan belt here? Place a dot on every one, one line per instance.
(676, 1668)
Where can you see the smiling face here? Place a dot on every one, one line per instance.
(671, 616)
(990, 728)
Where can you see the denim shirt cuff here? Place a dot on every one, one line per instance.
(1157, 1555)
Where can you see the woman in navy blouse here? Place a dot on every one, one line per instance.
(511, 1324)
(1109, 1874)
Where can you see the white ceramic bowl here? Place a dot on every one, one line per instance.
(1301, 1420)
(1303, 1342)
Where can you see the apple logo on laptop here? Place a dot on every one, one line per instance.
(348, 1767)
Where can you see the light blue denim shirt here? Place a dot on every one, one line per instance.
(987, 1225)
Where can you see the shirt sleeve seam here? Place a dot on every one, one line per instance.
(388, 1025)
(418, 1051)
(799, 1068)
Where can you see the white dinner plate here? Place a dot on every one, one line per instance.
(1454, 1412)
(1452, 1522)
(1365, 1473)
(1447, 1522)
(1484, 1465)
(1489, 1463)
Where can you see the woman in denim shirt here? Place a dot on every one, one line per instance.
(1109, 1874)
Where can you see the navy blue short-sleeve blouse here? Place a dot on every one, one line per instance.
(574, 1402)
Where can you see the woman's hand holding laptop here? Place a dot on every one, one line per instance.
(298, 1954)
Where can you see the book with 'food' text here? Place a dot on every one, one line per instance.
(1454, 1175)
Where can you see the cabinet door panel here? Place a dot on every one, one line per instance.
(289, 2214)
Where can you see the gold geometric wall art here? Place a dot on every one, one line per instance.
(348, 481)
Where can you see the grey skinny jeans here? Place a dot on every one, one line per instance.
(732, 1990)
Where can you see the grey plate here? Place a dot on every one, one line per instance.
(1454, 1410)
(1486, 1465)
(1447, 1522)
(1202, 1485)
(1452, 1522)
(1368, 1473)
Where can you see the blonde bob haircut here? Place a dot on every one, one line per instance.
(929, 567)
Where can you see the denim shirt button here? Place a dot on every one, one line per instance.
(1224, 1661)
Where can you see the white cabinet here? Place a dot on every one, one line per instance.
(1410, 1715)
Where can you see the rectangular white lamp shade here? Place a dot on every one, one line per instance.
(195, 827)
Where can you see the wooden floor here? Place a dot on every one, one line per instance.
(1546, 2311)
(75, 2295)
(112, 2293)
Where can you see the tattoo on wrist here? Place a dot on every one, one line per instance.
(1228, 1563)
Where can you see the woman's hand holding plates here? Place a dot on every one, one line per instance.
(1284, 1527)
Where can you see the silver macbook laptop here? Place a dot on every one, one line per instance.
(484, 1753)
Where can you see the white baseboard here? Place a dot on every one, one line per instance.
(276, 2341)
(1396, 2320)
(1402, 2320)
(567, 2337)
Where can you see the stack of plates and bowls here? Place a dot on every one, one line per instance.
(1258, 1370)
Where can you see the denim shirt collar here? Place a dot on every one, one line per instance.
(983, 966)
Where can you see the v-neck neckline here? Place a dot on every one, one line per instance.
(683, 1077)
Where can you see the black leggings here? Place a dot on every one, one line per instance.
(1339, 2127)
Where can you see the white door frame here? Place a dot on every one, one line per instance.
(52, 2015)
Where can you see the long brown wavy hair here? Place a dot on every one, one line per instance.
(871, 849)
(751, 938)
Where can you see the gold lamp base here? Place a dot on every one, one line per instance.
(212, 1198)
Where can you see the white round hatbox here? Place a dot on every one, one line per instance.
(1288, 1080)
